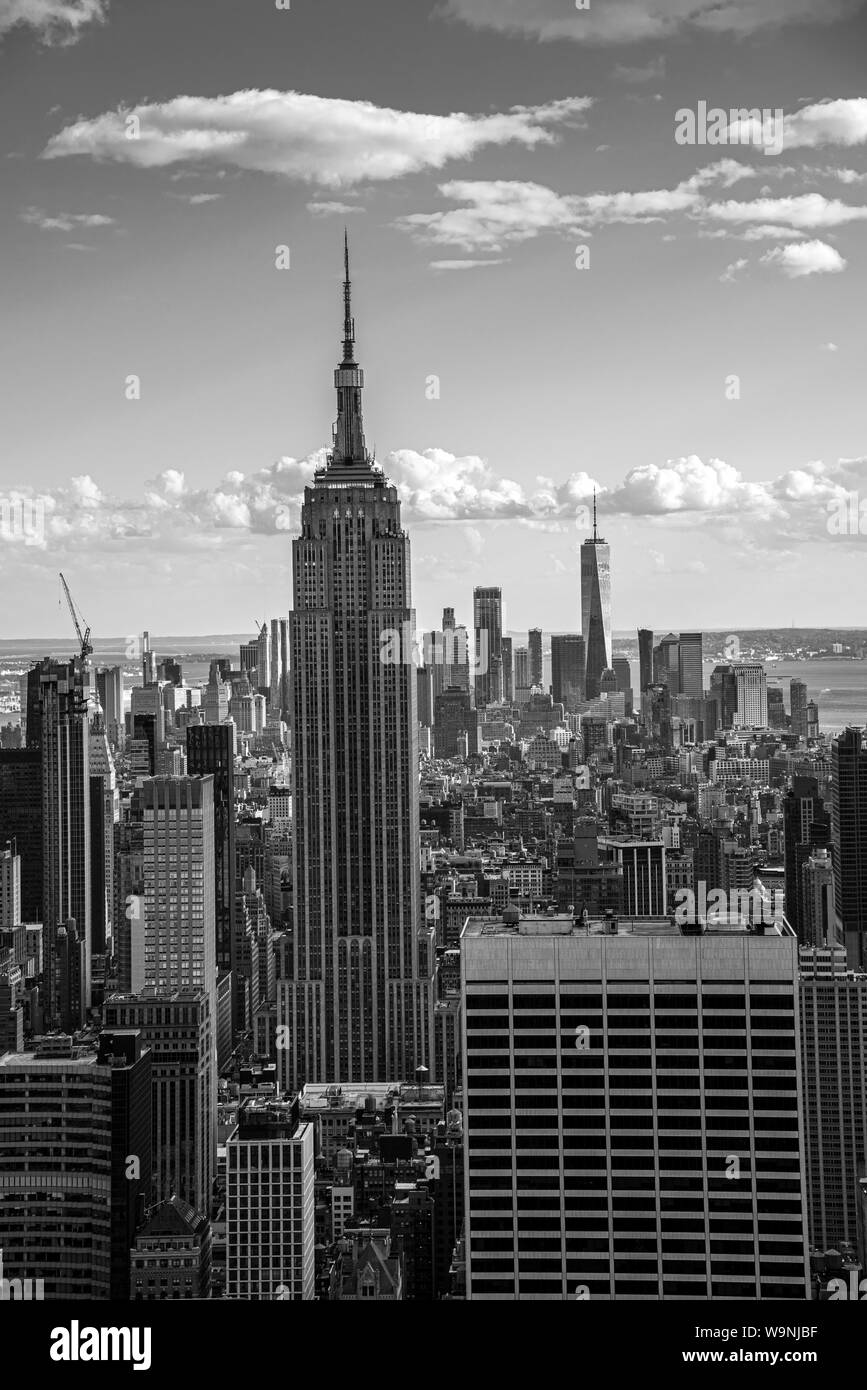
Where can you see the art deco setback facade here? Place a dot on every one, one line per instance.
(633, 1115)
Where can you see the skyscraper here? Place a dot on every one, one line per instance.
(488, 621)
(270, 1232)
(10, 888)
(522, 674)
(21, 821)
(595, 608)
(752, 688)
(798, 705)
(833, 1043)
(567, 670)
(179, 931)
(279, 695)
(633, 1120)
(211, 752)
(71, 1120)
(360, 997)
(645, 657)
(534, 647)
(666, 663)
(179, 1026)
(689, 665)
(109, 684)
(806, 827)
(849, 841)
(508, 671)
(57, 693)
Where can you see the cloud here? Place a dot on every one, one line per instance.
(64, 221)
(466, 265)
(831, 122)
(732, 271)
(497, 214)
(807, 210)
(829, 347)
(628, 21)
(170, 517)
(56, 21)
(654, 71)
(805, 258)
(197, 199)
(324, 141)
(333, 209)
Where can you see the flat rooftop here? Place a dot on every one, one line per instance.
(511, 924)
(351, 1095)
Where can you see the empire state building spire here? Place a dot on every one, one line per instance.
(350, 449)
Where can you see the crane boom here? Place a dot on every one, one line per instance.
(84, 640)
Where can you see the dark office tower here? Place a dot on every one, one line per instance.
(211, 752)
(178, 1027)
(250, 657)
(360, 998)
(833, 1046)
(798, 706)
(724, 689)
(424, 682)
(148, 661)
(522, 673)
(170, 671)
(263, 662)
(817, 897)
(129, 1061)
(279, 693)
(595, 609)
(534, 647)
(849, 840)
(776, 708)
(454, 716)
(99, 920)
(129, 890)
(21, 821)
(623, 675)
(63, 735)
(666, 663)
(656, 1151)
(109, 685)
(806, 827)
(64, 975)
(567, 670)
(71, 1120)
(645, 657)
(690, 673)
(508, 670)
(488, 620)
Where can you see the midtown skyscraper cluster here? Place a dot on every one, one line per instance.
(468, 964)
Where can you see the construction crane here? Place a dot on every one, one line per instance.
(86, 648)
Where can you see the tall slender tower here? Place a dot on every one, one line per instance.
(595, 608)
(356, 1000)
(488, 618)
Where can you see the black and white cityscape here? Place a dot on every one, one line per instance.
(435, 869)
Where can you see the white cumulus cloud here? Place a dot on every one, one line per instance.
(324, 141)
(54, 20)
(805, 258)
(627, 21)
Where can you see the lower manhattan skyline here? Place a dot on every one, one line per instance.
(433, 670)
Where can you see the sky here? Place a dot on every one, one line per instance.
(563, 279)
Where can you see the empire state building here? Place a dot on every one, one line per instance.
(356, 993)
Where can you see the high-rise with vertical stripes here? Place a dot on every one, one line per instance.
(357, 1001)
